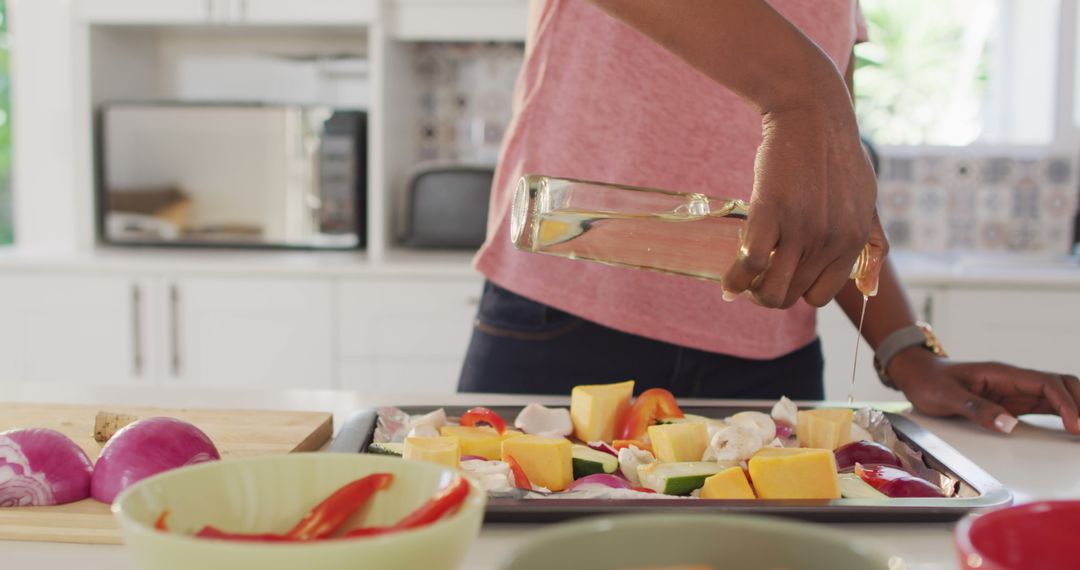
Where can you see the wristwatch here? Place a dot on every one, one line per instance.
(918, 334)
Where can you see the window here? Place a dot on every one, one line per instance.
(6, 233)
(958, 72)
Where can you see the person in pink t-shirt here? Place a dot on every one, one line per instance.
(739, 98)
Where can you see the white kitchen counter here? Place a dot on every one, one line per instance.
(1037, 461)
(916, 269)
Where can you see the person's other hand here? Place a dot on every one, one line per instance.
(990, 394)
(812, 209)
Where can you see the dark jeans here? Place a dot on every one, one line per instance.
(524, 347)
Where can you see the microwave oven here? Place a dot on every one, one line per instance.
(237, 175)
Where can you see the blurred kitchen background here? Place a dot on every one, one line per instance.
(286, 193)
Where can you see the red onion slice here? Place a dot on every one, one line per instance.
(148, 447)
(473, 458)
(602, 480)
(42, 467)
(604, 447)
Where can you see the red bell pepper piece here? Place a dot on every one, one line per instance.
(620, 444)
(216, 533)
(445, 503)
(159, 524)
(369, 531)
(329, 515)
(651, 405)
(521, 480)
(483, 415)
(642, 489)
(895, 482)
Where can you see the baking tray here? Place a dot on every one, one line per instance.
(977, 489)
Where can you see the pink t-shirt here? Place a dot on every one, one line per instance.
(597, 100)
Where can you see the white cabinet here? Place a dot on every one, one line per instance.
(1033, 328)
(309, 12)
(404, 334)
(150, 11)
(72, 328)
(251, 332)
(209, 331)
(838, 336)
(168, 12)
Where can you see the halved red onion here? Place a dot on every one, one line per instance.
(602, 480)
(148, 447)
(41, 467)
(784, 430)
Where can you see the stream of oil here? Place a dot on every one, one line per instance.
(855, 359)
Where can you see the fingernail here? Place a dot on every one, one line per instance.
(1005, 423)
(729, 296)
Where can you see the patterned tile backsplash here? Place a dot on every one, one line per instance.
(974, 202)
(463, 98)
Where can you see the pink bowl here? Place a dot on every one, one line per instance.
(1033, 535)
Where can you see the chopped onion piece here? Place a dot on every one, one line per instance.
(601, 479)
(536, 419)
(604, 447)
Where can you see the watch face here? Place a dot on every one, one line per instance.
(932, 342)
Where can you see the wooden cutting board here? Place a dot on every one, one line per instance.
(236, 433)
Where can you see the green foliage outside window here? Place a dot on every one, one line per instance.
(922, 77)
(6, 234)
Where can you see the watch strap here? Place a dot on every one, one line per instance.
(918, 334)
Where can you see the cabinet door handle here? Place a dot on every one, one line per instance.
(136, 330)
(928, 309)
(174, 328)
(242, 12)
(210, 12)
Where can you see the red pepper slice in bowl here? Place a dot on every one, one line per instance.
(441, 505)
(481, 415)
(214, 532)
(160, 524)
(651, 405)
(329, 515)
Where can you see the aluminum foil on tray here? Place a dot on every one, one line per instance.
(393, 425)
(881, 431)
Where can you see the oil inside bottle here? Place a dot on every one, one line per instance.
(855, 358)
(683, 233)
(670, 242)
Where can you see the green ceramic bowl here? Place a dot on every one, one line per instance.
(745, 542)
(269, 494)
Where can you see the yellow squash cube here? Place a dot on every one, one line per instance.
(442, 450)
(482, 441)
(597, 410)
(672, 443)
(799, 473)
(824, 429)
(547, 461)
(730, 483)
